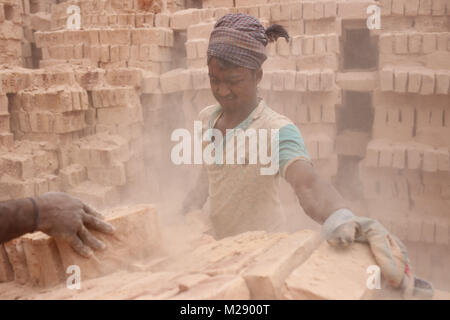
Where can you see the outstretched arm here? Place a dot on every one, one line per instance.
(59, 215)
(317, 196)
(16, 219)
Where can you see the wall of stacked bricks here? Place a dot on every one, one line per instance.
(90, 112)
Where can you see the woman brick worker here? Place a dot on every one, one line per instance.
(238, 197)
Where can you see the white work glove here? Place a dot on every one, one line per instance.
(340, 228)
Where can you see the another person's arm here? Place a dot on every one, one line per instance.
(60, 216)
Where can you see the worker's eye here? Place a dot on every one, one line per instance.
(235, 82)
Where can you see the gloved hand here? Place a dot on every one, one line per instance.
(343, 227)
(340, 228)
(344, 235)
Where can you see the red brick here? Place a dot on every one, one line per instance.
(328, 274)
(353, 10)
(330, 8)
(386, 6)
(333, 44)
(443, 159)
(387, 79)
(266, 82)
(428, 42)
(442, 232)
(289, 80)
(438, 7)
(176, 80)
(318, 10)
(296, 11)
(401, 43)
(308, 45)
(414, 229)
(428, 83)
(313, 81)
(411, 7)
(414, 158)
(386, 156)
(181, 20)
(308, 10)
(372, 157)
(425, 7)
(386, 43)
(6, 271)
(266, 274)
(43, 262)
(427, 232)
(285, 11)
(16, 256)
(401, 78)
(283, 47)
(399, 159)
(296, 45)
(398, 7)
(137, 236)
(442, 82)
(414, 81)
(430, 161)
(327, 80)
(319, 44)
(301, 81)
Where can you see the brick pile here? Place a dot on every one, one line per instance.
(252, 265)
(12, 34)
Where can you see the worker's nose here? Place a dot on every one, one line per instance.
(223, 91)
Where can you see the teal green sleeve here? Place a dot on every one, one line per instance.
(291, 147)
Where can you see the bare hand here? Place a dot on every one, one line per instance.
(65, 217)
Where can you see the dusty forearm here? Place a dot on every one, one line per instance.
(320, 199)
(16, 218)
(317, 196)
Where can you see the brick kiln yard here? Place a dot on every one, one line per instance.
(90, 112)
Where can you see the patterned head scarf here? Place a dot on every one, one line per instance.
(241, 40)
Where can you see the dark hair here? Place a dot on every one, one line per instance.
(223, 63)
(229, 65)
(276, 31)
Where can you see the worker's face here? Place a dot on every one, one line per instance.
(233, 87)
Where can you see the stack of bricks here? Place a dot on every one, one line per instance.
(12, 81)
(11, 33)
(61, 107)
(30, 169)
(97, 169)
(406, 169)
(36, 17)
(114, 137)
(113, 39)
(51, 109)
(104, 13)
(6, 137)
(399, 14)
